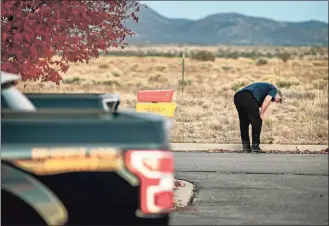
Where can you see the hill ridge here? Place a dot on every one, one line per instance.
(225, 28)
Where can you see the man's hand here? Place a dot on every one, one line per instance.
(265, 105)
(262, 116)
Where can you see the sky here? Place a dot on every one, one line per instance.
(292, 11)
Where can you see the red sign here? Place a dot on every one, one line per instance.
(155, 96)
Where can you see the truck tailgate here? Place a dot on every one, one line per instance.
(90, 127)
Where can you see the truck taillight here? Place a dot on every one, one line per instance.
(155, 170)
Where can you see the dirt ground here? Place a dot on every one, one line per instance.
(205, 112)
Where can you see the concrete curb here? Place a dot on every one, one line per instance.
(197, 147)
(183, 195)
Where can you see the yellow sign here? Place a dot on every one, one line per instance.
(165, 109)
(61, 160)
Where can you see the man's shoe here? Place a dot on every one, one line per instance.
(246, 148)
(256, 148)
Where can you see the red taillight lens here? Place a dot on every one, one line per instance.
(164, 199)
(155, 169)
(164, 165)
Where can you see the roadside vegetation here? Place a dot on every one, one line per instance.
(205, 110)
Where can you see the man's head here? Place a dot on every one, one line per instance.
(278, 97)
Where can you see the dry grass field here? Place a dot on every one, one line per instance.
(205, 112)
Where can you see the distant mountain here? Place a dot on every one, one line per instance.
(224, 28)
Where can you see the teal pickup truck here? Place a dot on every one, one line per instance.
(82, 166)
(106, 102)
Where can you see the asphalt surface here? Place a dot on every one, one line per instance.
(249, 189)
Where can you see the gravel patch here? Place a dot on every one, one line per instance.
(325, 151)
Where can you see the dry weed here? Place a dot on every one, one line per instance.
(205, 111)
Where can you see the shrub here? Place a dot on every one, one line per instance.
(269, 55)
(299, 94)
(160, 67)
(261, 62)
(107, 82)
(185, 83)
(227, 68)
(233, 55)
(158, 78)
(320, 64)
(74, 80)
(236, 86)
(116, 74)
(284, 56)
(313, 51)
(103, 66)
(203, 56)
(320, 84)
(286, 83)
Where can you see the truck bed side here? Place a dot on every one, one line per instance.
(73, 127)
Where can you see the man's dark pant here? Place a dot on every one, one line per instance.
(248, 109)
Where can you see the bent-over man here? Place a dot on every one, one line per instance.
(247, 101)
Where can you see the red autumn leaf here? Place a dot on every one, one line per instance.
(27, 37)
(4, 36)
(34, 31)
(17, 37)
(34, 51)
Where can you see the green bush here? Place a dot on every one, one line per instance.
(261, 62)
(227, 68)
(284, 56)
(74, 80)
(286, 83)
(116, 74)
(236, 86)
(203, 55)
(185, 83)
(313, 51)
(233, 55)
